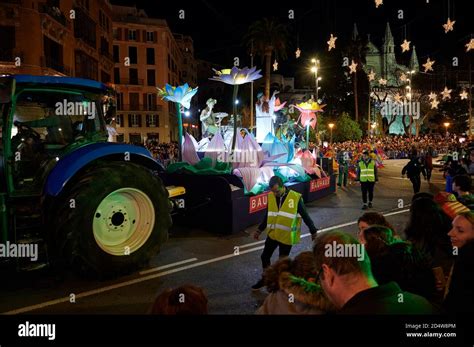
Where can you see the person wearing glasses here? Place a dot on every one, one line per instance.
(282, 222)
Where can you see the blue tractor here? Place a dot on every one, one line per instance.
(96, 206)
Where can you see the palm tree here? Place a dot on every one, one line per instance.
(266, 37)
(356, 51)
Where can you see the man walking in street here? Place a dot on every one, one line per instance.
(367, 176)
(413, 170)
(282, 222)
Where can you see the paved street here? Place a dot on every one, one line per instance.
(207, 260)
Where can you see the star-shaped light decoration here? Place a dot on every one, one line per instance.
(405, 45)
(428, 65)
(397, 97)
(403, 77)
(371, 75)
(298, 53)
(432, 96)
(463, 95)
(332, 42)
(378, 3)
(449, 26)
(446, 93)
(469, 45)
(353, 67)
(382, 82)
(434, 104)
(275, 65)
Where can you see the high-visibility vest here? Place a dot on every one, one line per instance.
(284, 223)
(367, 172)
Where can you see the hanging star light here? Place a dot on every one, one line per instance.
(434, 104)
(382, 82)
(403, 77)
(449, 26)
(371, 75)
(353, 67)
(432, 96)
(428, 65)
(275, 65)
(405, 45)
(397, 97)
(463, 95)
(469, 45)
(378, 3)
(298, 53)
(446, 93)
(332, 42)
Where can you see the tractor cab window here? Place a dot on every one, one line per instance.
(44, 124)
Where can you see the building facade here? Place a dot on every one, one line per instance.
(146, 55)
(53, 37)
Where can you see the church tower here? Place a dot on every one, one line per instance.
(414, 65)
(389, 62)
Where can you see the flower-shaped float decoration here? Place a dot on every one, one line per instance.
(236, 77)
(182, 96)
(308, 115)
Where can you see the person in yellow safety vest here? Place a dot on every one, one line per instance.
(367, 176)
(282, 222)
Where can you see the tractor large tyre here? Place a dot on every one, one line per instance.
(111, 221)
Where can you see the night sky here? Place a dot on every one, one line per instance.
(217, 27)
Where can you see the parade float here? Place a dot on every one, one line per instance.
(226, 173)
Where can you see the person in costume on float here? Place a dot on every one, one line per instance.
(282, 222)
(265, 110)
(343, 161)
(209, 123)
(367, 176)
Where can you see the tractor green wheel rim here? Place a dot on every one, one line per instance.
(123, 221)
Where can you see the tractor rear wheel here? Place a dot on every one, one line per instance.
(112, 220)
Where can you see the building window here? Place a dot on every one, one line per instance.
(150, 36)
(104, 77)
(150, 56)
(85, 28)
(150, 76)
(132, 54)
(115, 33)
(132, 35)
(134, 101)
(120, 138)
(86, 66)
(116, 54)
(53, 54)
(151, 102)
(117, 75)
(135, 138)
(152, 121)
(133, 76)
(104, 47)
(120, 101)
(119, 121)
(134, 120)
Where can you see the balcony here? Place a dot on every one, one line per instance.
(139, 108)
(131, 82)
(49, 62)
(54, 13)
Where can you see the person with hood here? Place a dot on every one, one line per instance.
(293, 288)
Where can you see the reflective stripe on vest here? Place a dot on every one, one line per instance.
(284, 224)
(367, 172)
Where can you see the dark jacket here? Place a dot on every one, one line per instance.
(387, 299)
(414, 168)
(460, 296)
(301, 210)
(405, 264)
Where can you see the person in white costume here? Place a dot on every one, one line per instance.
(265, 115)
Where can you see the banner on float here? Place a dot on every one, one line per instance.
(258, 202)
(322, 183)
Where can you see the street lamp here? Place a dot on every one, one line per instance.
(330, 125)
(446, 125)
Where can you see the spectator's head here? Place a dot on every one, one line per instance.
(344, 266)
(365, 155)
(463, 229)
(372, 218)
(276, 185)
(376, 239)
(184, 300)
(420, 195)
(462, 184)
